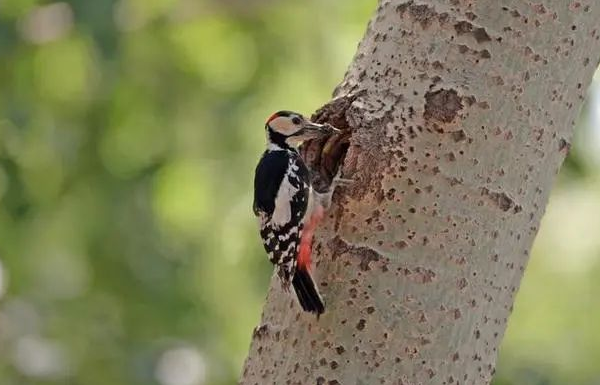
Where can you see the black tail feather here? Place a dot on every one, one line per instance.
(307, 292)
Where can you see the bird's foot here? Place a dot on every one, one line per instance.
(324, 199)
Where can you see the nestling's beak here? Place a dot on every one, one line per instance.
(312, 130)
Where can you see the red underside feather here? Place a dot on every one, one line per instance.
(304, 260)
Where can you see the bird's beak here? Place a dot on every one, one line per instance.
(312, 130)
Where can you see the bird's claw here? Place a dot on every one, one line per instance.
(337, 181)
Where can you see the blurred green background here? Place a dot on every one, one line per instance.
(129, 132)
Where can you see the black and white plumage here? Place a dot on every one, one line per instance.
(282, 202)
(282, 191)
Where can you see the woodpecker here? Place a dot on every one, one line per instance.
(286, 205)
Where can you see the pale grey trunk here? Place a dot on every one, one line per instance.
(462, 113)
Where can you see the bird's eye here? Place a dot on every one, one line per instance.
(296, 120)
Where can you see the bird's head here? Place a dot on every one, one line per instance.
(290, 129)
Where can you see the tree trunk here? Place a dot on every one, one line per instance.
(460, 114)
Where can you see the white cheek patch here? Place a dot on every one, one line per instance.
(283, 125)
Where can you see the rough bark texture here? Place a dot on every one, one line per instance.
(461, 114)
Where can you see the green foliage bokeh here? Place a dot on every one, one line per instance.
(129, 132)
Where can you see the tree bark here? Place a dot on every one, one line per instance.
(460, 114)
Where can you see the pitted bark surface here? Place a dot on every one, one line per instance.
(459, 115)
(442, 105)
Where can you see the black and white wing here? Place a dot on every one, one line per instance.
(281, 192)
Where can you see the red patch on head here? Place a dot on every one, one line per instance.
(275, 115)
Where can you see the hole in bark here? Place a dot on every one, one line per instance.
(442, 105)
(325, 156)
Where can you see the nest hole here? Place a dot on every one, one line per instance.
(325, 156)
